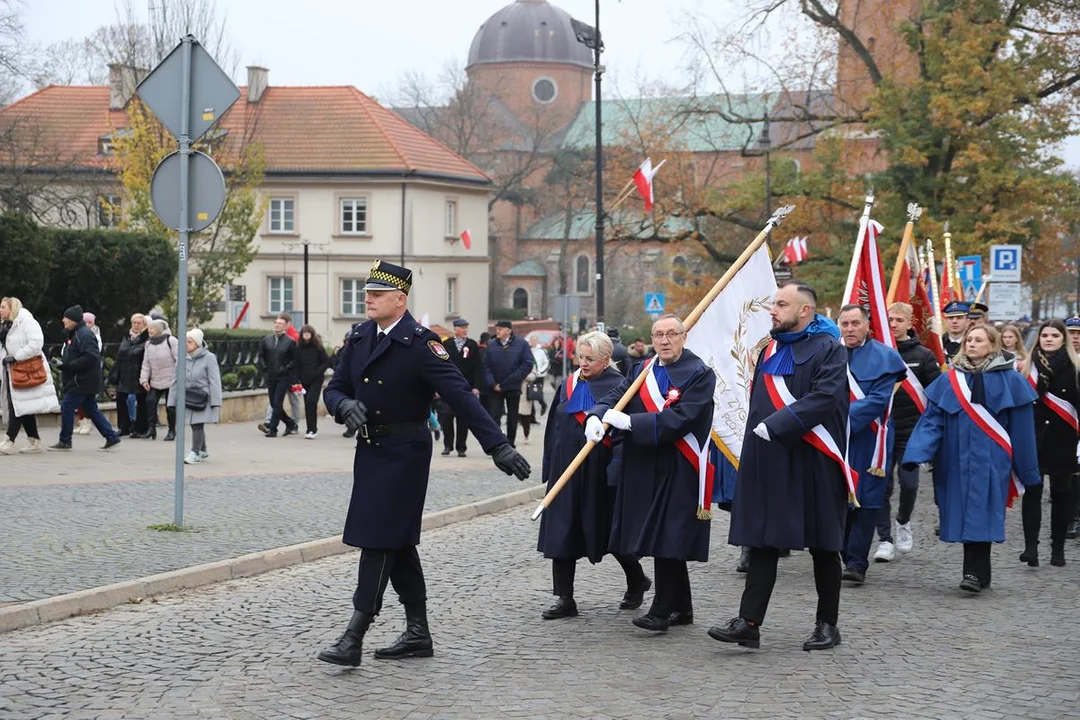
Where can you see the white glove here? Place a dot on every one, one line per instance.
(594, 429)
(617, 419)
(762, 432)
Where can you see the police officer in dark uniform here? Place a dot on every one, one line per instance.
(465, 354)
(390, 369)
(956, 324)
(978, 314)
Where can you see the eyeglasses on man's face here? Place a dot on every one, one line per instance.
(670, 335)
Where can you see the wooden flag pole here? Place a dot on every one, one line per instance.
(914, 212)
(688, 323)
(864, 221)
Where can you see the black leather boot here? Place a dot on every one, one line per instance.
(349, 648)
(737, 631)
(633, 598)
(1030, 555)
(1057, 554)
(415, 641)
(170, 414)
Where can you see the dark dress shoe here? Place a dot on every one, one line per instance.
(110, 444)
(744, 561)
(853, 575)
(1057, 557)
(136, 435)
(971, 584)
(415, 641)
(653, 623)
(273, 433)
(461, 453)
(125, 433)
(291, 429)
(824, 637)
(349, 649)
(61, 446)
(445, 452)
(632, 599)
(1030, 555)
(564, 607)
(682, 618)
(737, 631)
(170, 436)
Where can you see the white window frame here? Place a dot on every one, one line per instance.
(359, 308)
(353, 203)
(450, 218)
(286, 291)
(451, 295)
(280, 210)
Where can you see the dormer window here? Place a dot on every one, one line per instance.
(105, 146)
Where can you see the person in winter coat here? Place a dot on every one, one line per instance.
(80, 372)
(157, 374)
(83, 426)
(311, 365)
(125, 376)
(277, 354)
(23, 341)
(1054, 370)
(976, 413)
(1013, 342)
(505, 363)
(907, 401)
(527, 407)
(203, 378)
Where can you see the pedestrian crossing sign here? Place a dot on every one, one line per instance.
(654, 303)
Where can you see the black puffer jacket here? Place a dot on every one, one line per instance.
(80, 371)
(925, 367)
(311, 363)
(125, 371)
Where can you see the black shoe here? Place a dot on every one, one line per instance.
(415, 641)
(853, 575)
(737, 631)
(263, 428)
(824, 637)
(110, 444)
(461, 453)
(291, 430)
(125, 433)
(564, 607)
(682, 618)
(1057, 557)
(445, 452)
(135, 435)
(60, 446)
(438, 435)
(971, 584)
(151, 434)
(744, 561)
(273, 433)
(653, 623)
(632, 599)
(348, 650)
(170, 436)
(1030, 555)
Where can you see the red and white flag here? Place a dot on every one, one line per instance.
(795, 251)
(643, 179)
(912, 289)
(466, 239)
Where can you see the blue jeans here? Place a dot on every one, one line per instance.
(132, 408)
(858, 535)
(73, 401)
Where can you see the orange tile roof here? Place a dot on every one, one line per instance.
(302, 130)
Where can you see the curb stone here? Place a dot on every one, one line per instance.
(39, 612)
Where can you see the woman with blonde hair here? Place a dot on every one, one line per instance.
(1013, 342)
(23, 343)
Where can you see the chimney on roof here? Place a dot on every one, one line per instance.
(122, 82)
(258, 80)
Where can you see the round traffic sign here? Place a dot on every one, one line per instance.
(206, 191)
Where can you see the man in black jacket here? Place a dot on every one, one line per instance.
(923, 369)
(505, 366)
(465, 354)
(278, 357)
(80, 372)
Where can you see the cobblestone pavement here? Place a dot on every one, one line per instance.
(913, 645)
(90, 525)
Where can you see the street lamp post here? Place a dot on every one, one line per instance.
(590, 38)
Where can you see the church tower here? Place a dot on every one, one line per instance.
(877, 25)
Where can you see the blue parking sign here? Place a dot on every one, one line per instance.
(1005, 261)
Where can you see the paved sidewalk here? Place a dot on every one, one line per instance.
(78, 520)
(913, 645)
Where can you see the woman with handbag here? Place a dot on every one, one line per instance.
(28, 388)
(202, 395)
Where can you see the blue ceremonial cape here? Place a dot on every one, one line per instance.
(877, 368)
(972, 472)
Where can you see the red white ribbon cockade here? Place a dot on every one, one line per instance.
(1061, 407)
(571, 383)
(879, 425)
(688, 445)
(818, 436)
(989, 425)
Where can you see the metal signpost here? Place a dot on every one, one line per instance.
(188, 93)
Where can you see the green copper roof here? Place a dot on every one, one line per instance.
(527, 268)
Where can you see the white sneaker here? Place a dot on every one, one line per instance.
(193, 458)
(310, 436)
(34, 447)
(904, 539)
(7, 447)
(84, 427)
(885, 552)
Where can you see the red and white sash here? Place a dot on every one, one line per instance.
(1061, 407)
(879, 425)
(915, 390)
(571, 383)
(989, 425)
(688, 445)
(818, 437)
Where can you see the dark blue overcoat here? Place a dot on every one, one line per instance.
(577, 524)
(656, 499)
(971, 471)
(877, 368)
(789, 495)
(397, 382)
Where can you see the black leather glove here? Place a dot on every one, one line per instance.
(510, 461)
(351, 413)
(9, 359)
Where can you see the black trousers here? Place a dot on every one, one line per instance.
(1062, 509)
(563, 570)
(123, 422)
(511, 400)
(313, 391)
(277, 389)
(672, 589)
(448, 419)
(761, 578)
(977, 561)
(401, 568)
(27, 422)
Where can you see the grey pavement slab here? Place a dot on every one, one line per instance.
(913, 645)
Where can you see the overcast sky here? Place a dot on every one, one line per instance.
(372, 43)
